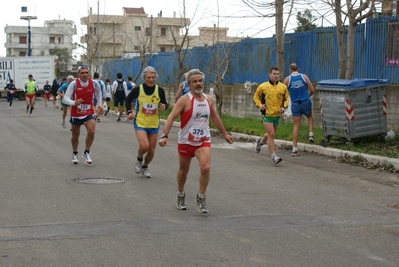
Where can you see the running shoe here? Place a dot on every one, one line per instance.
(10, 107)
(63, 125)
(277, 160)
(311, 139)
(31, 115)
(87, 158)
(75, 158)
(258, 144)
(117, 114)
(181, 202)
(201, 204)
(138, 166)
(146, 173)
(294, 153)
(119, 119)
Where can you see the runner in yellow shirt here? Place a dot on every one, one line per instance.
(276, 101)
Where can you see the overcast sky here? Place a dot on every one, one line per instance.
(234, 14)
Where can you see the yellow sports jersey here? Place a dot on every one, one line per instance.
(147, 109)
(276, 96)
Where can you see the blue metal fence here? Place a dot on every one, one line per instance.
(315, 52)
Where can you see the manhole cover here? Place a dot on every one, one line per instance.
(99, 180)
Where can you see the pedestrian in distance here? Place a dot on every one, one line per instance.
(61, 93)
(300, 89)
(276, 101)
(119, 90)
(130, 84)
(46, 93)
(30, 94)
(10, 88)
(54, 89)
(194, 138)
(108, 95)
(79, 95)
(150, 99)
(261, 140)
(96, 77)
(183, 88)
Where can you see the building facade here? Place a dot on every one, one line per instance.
(54, 33)
(136, 33)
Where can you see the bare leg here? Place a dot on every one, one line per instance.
(91, 128)
(203, 155)
(75, 137)
(184, 168)
(295, 132)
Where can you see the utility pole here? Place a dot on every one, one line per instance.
(28, 18)
(98, 35)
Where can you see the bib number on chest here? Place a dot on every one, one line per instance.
(149, 109)
(197, 135)
(83, 108)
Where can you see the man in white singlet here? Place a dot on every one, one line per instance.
(194, 140)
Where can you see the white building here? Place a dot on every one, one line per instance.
(54, 33)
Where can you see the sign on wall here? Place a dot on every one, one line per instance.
(392, 53)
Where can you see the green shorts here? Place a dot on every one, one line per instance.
(271, 119)
(62, 104)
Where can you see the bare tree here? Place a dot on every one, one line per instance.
(141, 43)
(280, 28)
(353, 12)
(181, 43)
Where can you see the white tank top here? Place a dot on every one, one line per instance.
(194, 123)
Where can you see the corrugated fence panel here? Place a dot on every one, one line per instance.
(315, 52)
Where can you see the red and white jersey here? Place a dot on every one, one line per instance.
(194, 123)
(86, 93)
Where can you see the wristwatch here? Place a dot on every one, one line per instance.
(164, 136)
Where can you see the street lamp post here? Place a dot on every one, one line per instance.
(29, 18)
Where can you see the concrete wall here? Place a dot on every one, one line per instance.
(239, 103)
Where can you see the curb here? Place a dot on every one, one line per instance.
(332, 152)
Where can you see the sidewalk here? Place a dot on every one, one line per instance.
(327, 151)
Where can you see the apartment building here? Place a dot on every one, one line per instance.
(54, 33)
(135, 33)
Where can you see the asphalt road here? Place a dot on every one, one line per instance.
(307, 211)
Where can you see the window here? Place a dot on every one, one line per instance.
(52, 40)
(163, 49)
(136, 48)
(22, 53)
(163, 31)
(60, 40)
(137, 28)
(147, 32)
(22, 40)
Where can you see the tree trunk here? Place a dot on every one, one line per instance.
(280, 38)
(217, 90)
(340, 39)
(350, 46)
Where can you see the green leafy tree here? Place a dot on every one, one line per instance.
(64, 58)
(305, 21)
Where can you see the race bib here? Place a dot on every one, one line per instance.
(149, 108)
(83, 108)
(197, 135)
